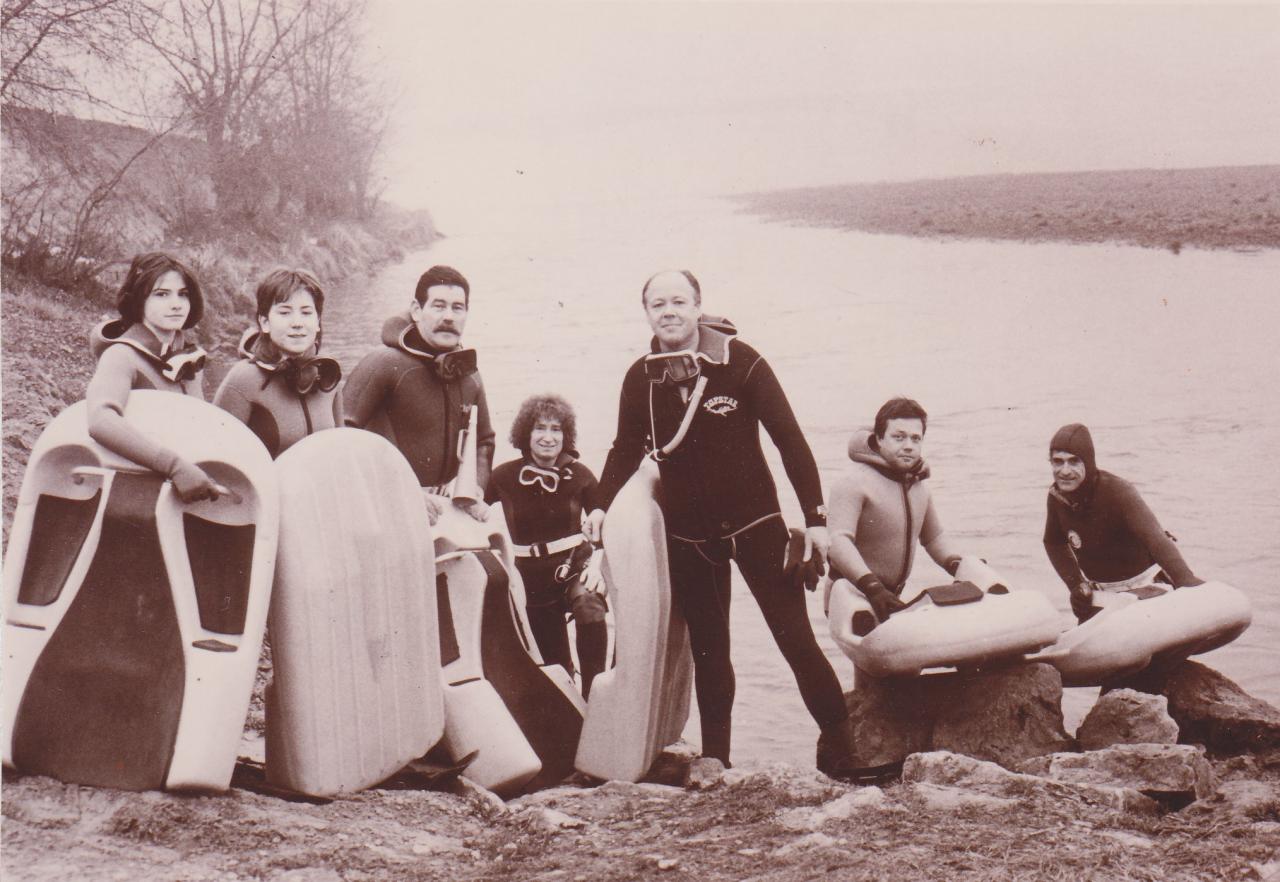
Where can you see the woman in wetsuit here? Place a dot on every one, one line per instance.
(543, 496)
(283, 390)
(148, 347)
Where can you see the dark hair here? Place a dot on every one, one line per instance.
(441, 275)
(143, 273)
(547, 407)
(278, 286)
(900, 409)
(689, 277)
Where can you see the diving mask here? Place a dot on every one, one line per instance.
(673, 367)
(179, 367)
(456, 364)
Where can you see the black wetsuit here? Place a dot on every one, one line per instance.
(396, 392)
(1109, 534)
(720, 503)
(536, 515)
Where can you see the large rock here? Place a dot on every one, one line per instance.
(1255, 800)
(1004, 715)
(953, 770)
(672, 765)
(704, 773)
(893, 718)
(941, 798)
(1212, 710)
(1172, 773)
(1127, 717)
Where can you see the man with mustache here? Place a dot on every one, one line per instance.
(418, 390)
(695, 404)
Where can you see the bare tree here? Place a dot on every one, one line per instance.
(53, 48)
(223, 55)
(325, 119)
(61, 58)
(290, 118)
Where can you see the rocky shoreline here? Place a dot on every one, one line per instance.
(1136, 805)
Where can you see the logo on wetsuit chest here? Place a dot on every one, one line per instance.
(1074, 538)
(721, 405)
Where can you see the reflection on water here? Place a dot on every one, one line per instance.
(1169, 359)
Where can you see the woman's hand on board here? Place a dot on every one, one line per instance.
(191, 483)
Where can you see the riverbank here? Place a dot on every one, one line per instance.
(768, 822)
(1234, 207)
(46, 363)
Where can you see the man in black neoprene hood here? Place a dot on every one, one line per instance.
(1098, 532)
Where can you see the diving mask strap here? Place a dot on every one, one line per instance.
(658, 455)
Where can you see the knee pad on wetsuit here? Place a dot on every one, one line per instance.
(588, 607)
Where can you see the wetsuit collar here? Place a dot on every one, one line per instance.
(714, 334)
(1080, 498)
(565, 458)
(862, 449)
(181, 362)
(399, 332)
(303, 373)
(411, 342)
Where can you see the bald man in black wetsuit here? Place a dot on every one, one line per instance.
(720, 503)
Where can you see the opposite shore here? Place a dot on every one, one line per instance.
(1236, 207)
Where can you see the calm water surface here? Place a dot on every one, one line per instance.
(1170, 359)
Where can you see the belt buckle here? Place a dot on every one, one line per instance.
(537, 550)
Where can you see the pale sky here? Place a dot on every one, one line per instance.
(618, 100)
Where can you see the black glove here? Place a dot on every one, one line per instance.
(797, 571)
(1082, 602)
(191, 483)
(883, 601)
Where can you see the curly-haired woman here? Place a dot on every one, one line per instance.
(543, 496)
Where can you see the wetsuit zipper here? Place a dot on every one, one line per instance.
(906, 545)
(306, 412)
(700, 493)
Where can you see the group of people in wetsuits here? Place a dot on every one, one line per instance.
(694, 404)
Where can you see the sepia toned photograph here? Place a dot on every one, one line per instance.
(621, 439)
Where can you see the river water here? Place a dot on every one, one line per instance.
(1171, 360)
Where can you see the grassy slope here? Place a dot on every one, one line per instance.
(1237, 207)
(45, 368)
